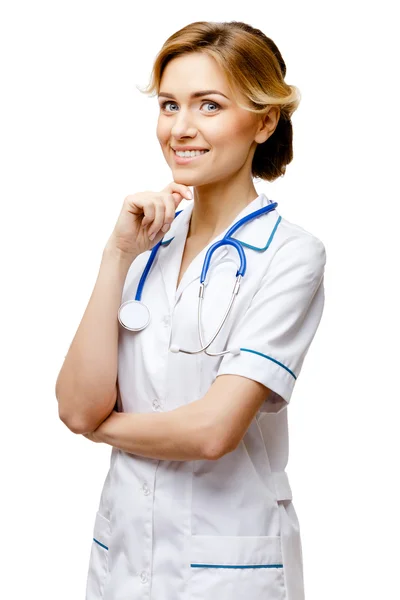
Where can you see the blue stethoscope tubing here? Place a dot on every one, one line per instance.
(134, 315)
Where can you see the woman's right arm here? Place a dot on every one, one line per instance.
(86, 387)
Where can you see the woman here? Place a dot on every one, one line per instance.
(196, 504)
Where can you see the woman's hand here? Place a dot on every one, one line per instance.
(144, 215)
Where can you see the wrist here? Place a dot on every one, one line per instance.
(119, 259)
(119, 255)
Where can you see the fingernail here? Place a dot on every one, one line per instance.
(188, 194)
(152, 236)
(165, 228)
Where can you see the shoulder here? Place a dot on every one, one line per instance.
(298, 244)
(295, 255)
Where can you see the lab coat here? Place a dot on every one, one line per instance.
(221, 529)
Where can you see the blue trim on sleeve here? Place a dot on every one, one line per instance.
(239, 566)
(100, 544)
(270, 358)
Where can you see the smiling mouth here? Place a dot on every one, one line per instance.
(186, 160)
(204, 151)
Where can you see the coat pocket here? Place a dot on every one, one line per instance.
(98, 562)
(235, 568)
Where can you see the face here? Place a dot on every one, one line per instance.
(213, 121)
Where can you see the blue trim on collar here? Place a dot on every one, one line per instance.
(269, 240)
(244, 243)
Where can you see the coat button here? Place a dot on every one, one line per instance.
(156, 405)
(146, 490)
(166, 320)
(144, 577)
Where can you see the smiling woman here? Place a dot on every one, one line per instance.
(197, 503)
(211, 116)
(239, 58)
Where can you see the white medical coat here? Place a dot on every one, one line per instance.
(221, 529)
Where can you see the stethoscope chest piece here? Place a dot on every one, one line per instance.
(134, 315)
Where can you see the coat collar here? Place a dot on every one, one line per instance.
(255, 235)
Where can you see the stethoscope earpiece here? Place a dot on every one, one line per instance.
(235, 351)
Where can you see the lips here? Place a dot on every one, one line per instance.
(201, 149)
(189, 160)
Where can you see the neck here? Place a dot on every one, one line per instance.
(216, 205)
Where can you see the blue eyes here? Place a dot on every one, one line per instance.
(163, 105)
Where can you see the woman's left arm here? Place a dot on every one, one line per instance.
(174, 435)
(207, 428)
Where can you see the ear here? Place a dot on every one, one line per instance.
(268, 124)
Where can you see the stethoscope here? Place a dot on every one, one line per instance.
(134, 315)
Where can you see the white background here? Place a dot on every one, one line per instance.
(77, 136)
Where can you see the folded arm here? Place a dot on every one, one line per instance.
(204, 429)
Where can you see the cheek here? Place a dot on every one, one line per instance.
(162, 131)
(240, 130)
(225, 131)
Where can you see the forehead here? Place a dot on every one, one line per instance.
(192, 72)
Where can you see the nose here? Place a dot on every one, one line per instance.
(182, 125)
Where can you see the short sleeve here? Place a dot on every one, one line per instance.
(276, 331)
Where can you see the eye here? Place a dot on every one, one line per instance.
(210, 102)
(163, 105)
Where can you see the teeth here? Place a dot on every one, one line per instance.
(190, 153)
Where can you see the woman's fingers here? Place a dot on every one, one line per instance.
(149, 211)
(180, 188)
(160, 213)
(169, 215)
(158, 221)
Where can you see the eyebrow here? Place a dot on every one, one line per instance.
(195, 94)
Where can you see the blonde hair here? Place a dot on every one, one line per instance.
(253, 65)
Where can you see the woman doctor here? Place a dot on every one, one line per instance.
(196, 503)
